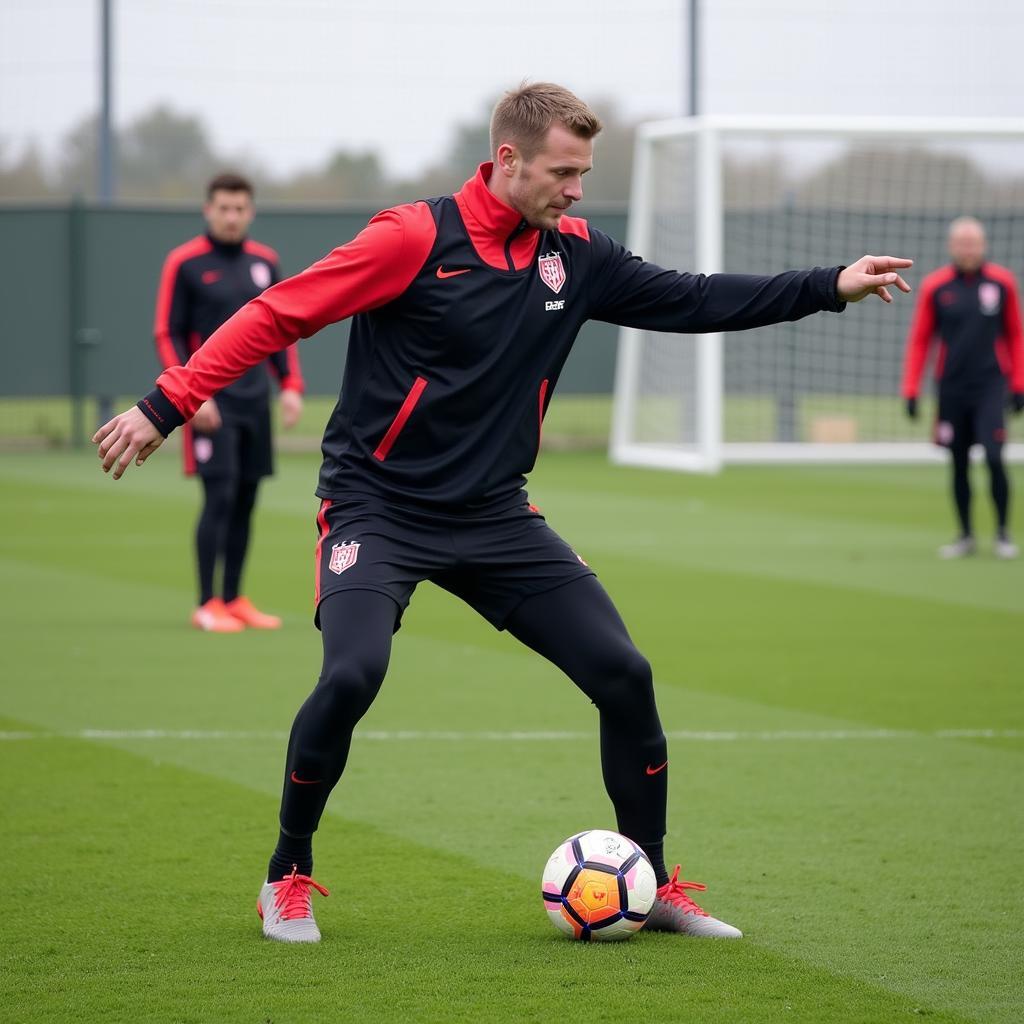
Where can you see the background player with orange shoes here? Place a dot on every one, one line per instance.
(228, 444)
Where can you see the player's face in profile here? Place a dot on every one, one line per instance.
(228, 215)
(543, 188)
(967, 246)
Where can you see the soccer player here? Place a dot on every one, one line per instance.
(973, 309)
(228, 441)
(464, 309)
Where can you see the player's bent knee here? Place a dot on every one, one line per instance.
(218, 496)
(347, 689)
(633, 669)
(626, 682)
(994, 453)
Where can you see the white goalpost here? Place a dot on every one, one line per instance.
(763, 195)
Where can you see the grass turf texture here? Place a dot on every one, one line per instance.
(877, 877)
(574, 421)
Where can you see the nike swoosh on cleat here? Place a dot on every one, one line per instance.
(442, 273)
(304, 782)
(654, 771)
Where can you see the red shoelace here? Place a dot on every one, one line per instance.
(674, 891)
(292, 895)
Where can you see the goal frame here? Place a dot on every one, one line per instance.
(710, 451)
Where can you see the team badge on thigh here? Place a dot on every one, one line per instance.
(944, 433)
(202, 447)
(552, 273)
(343, 556)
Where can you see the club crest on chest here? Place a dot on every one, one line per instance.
(552, 273)
(260, 273)
(988, 297)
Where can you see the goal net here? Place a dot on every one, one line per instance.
(762, 196)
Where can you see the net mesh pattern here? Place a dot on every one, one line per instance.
(798, 201)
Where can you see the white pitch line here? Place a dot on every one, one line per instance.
(728, 736)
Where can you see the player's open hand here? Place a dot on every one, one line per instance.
(207, 418)
(127, 437)
(291, 408)
(872, 275)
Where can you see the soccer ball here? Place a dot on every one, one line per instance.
(598, 885)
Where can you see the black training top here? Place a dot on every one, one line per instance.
(976, 319)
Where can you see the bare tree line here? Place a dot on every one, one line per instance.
(164, 155)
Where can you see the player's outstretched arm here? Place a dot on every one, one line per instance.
(130, 436)
(872, 275)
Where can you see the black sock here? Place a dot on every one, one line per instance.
(656, 855)
(1000, 494)
(210, 531)
(292, 852)
(236, 540)
(962, 488)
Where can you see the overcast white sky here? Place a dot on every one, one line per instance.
(291, 80)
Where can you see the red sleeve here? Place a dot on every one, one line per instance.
(1013, 338)
(373, 269)
(263, 251)
(171, 319)
(919, 339)
(284, 364)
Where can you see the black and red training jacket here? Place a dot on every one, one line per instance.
(975, 318)
(463, 317)
(202, 284)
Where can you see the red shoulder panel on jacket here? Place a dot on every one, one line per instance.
(259, 249)
(1003, 275)
(574, 226)
(937, 278)
(197, 246)
(420, 229)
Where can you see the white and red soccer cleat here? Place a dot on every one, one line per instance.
(1005, 548)
(248, 614)
(962, 547)
(286, 908)
(213, 617)
(674, 911)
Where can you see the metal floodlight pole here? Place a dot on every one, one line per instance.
(85, 339)
(693, 94)
(107, 183)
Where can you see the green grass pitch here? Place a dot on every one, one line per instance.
(812, 657)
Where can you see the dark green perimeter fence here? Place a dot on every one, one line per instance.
(78, 284)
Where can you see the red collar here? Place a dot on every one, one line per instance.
(491, 223)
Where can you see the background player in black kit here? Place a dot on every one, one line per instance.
(228, 443)
(972, 307)
(457, 342)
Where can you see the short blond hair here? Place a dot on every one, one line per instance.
(525, 115)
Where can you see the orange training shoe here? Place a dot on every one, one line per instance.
(213, 617)
(248, 614)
